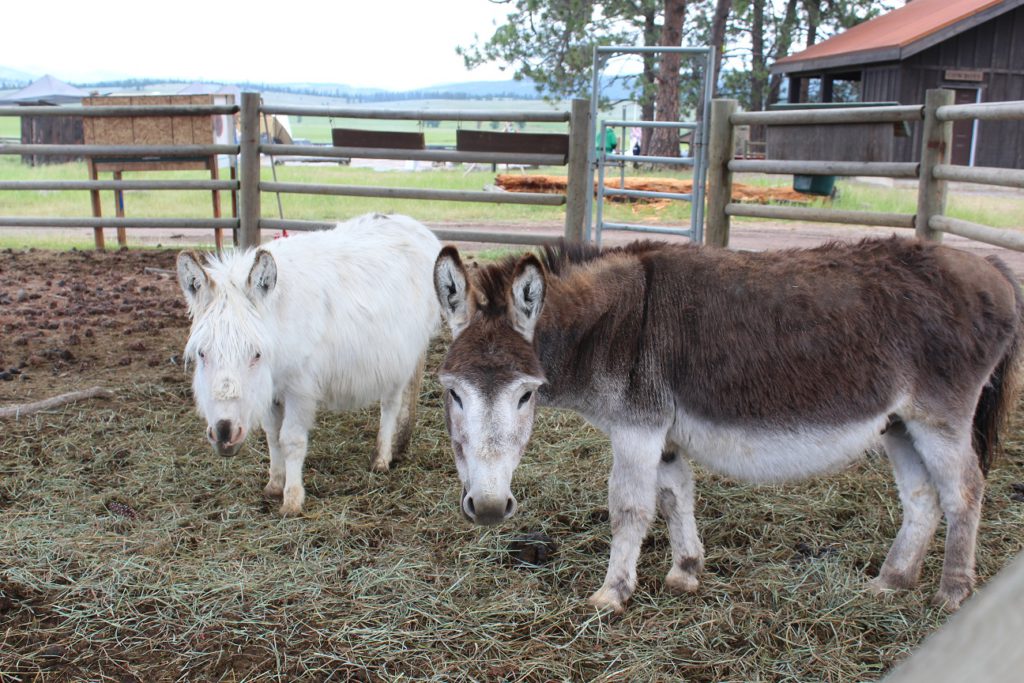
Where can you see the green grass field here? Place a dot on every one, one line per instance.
(10, 127)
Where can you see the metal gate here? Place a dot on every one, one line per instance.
(601, 159)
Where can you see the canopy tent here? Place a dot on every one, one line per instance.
(46, 90)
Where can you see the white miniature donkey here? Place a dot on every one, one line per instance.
(336, 319)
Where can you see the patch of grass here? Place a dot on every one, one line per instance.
(132, 551)
(10, 127)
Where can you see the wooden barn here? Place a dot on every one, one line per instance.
(48, 130)
(973, 47)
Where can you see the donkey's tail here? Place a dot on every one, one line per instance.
(999, 395)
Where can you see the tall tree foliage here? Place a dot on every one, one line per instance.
(551, 42)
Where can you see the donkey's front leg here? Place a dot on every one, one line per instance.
(294, 440)
(632, 496)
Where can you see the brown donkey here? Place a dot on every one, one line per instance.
(763, 367)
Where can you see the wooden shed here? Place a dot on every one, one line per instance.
(973, 47)
(48, 130)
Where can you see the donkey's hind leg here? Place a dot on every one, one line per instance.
(397, 415)
(675, 503)
(272, 426)
(953, 466)
(921, 512)
(407, 411)
(390, 407)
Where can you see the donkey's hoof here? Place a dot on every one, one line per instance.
(288, 510)
(606, 600)
(293, 500)
(889, 580)
(679, 582)
(273, 491)
(950, 598)
(879, 587)
(380, 465)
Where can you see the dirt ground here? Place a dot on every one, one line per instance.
(69, 320)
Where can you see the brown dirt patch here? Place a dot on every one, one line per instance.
(81, 318)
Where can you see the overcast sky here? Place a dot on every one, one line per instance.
(389, 44)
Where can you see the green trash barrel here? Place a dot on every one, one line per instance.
(815, 184)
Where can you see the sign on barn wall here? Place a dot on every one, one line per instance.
(964, 75)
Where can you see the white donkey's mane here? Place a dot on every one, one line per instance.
(228, 315)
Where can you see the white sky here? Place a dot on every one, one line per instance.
(389, 44)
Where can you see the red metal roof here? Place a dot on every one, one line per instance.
(893, 35)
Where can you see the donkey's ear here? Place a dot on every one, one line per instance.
(195, 283)
(262, 276)
(526, 298)
(452, 288)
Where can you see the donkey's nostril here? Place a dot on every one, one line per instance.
(510, 506)
(469, 506)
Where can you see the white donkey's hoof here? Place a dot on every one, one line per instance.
(293, 500)
(606, 600)
(379, 464)
(273, 491)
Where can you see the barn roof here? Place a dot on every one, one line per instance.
(896, 35)
(47, 90)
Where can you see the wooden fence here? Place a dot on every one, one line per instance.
(249, 151)
(933, 172)
(121, 152)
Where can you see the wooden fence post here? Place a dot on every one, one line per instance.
(249, 172)
(936, 148)
(580, 180)
(721, 144)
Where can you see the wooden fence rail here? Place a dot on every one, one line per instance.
(933, 172)
(249, 151)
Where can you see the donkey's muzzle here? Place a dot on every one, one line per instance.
(226, 438)
(487, 511)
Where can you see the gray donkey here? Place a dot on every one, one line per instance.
(762, 367)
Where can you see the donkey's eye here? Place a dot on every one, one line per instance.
(257, 356)
(525, 398)
(455, 397)
(201, 354)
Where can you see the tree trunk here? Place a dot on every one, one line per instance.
(757, 72)
(785, 41)
(813, 8)
(665, 141)
(650, 80)
(718, 25)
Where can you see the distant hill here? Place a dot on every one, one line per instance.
(470, 90)
(14, 78)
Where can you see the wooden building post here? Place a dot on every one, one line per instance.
(580, 180)
(97, 206)
(721, 143)
(936, 147)
(249, 172)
